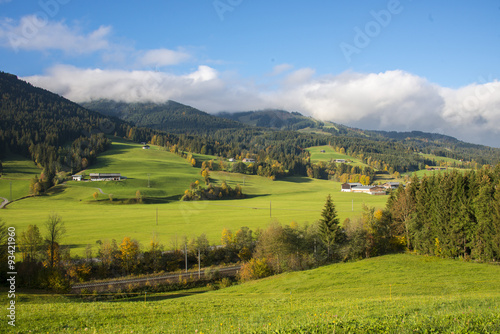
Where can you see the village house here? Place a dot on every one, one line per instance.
(78, 178)
(348, 187)
(106, 177)
(343, 161)
(145, 147)
(248, 160)
(377, 190)
(391, 185)
(359, 188)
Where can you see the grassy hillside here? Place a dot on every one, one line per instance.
(19, 171)
(87, 220)
(390, 294)
(329, 154)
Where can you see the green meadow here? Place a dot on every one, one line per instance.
(391, 294)
(87, 220)
(329, 154)
(18, 171)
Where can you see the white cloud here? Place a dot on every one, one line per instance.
(36, 32)
(391, 100)
(163, 57)
(279, 69)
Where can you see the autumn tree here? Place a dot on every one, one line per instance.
(206, 176)
(138, 196)
(402, 210)
(129, 254)
(30, 243)
(55, 232)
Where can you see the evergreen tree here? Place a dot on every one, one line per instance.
(329, 228)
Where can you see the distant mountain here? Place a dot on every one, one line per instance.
(414, 141)
(170, 116)
(272, 118)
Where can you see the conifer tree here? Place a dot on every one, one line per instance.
(329, 228)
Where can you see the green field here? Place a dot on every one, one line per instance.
(390, 294)
(87, 220)
(19, 171)
(329, 154)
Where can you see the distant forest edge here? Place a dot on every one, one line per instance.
(62, 137)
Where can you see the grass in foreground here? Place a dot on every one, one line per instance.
(390, 294)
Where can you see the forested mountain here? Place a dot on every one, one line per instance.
(374, 142)
(170, 116)
(272, 118)
(53, 131)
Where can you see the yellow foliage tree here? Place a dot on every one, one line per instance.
(129, 251)
(227, 237)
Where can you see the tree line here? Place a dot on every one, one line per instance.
(454, 214)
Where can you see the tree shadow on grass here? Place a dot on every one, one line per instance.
(156, 297)
(297, 179)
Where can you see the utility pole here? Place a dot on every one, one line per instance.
(186, 255)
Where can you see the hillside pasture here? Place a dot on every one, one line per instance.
(391, 294)
(87, 220)
(331, 154)
(19, 171)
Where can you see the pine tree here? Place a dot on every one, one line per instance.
(329, 228)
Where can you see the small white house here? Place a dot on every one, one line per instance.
(77, 177)
(231, 160)
(145, 147)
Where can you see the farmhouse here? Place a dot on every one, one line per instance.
(78, 177)
(343, 161)
(248, 160)
(359, 188)
(105, 177)
(391, 185)
(231, 159)
(377, 190)
(348, 187)
(145, 147)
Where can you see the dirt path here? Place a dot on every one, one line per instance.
(4, 202)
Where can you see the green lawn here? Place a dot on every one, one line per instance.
(389, 294)
(329, 154)
(293, 199)
(19, 171)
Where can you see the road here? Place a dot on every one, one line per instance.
(171, 277)
(4, 202)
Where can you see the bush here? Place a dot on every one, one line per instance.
(255, 269)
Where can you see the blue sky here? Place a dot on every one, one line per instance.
(393, 65)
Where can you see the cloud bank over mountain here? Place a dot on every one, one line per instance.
(391, 100)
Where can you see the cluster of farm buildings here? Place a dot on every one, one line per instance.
(100, 177)
(371, 190)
